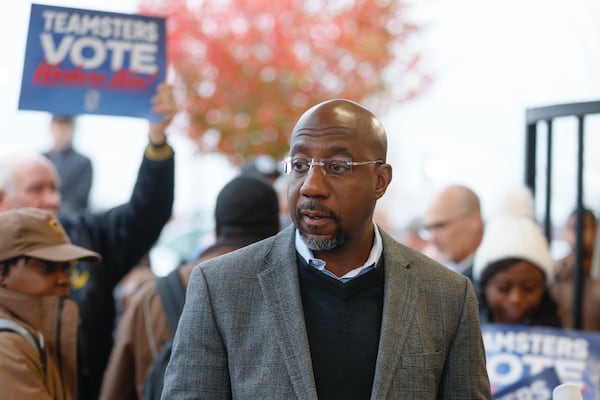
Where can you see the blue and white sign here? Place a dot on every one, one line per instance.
(535, 387)
(517, 353)
(85, 61)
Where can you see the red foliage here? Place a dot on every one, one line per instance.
(249, 68)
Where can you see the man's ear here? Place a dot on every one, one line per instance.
(384, 177)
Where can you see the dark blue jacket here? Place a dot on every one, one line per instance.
(122, 235)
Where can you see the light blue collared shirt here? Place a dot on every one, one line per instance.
(462, 266)
(320, 265)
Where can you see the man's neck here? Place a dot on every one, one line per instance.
(340, 261)
(346, 258)
(461, 266)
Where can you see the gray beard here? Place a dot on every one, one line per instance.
(324, 244)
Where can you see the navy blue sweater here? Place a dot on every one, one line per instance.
(343, 322)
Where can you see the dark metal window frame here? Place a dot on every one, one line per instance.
(547, 114)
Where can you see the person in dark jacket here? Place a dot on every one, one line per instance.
(513, 266)
(74, 168)
(246, 211)
(122, 235)
(38, 323)
(563, 287)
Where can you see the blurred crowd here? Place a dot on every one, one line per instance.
(112, 311)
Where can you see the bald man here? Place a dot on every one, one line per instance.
(455, 226)
(331, 307)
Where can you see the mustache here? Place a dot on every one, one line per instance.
(315, 207)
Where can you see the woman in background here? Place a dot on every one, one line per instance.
(513, 267)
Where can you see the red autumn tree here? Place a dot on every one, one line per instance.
(248, 68)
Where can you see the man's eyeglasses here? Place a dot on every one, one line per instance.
(331, 166)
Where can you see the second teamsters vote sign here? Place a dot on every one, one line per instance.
(527, 362)
(84, 61)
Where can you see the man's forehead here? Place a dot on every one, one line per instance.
(332, 140)
(437, 211)
(329, 132)
(35, 173)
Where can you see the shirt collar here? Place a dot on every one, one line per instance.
(319, 264)
(461, 266)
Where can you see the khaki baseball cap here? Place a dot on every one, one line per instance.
(36, 233)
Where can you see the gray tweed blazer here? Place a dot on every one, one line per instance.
(242, 332)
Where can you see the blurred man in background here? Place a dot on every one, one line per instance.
(74, 169)
(246, 211)
(455, 226)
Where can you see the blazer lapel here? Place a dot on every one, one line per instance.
(280, 288)
(398, 311)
